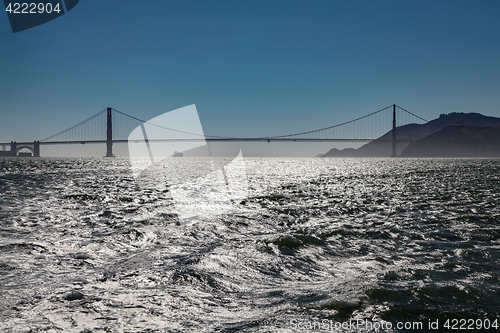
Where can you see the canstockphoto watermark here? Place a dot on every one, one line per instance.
(28, 14)
(363, 325)
(200, 187)
(352, 325)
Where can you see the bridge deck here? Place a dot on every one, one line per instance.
(210, 140)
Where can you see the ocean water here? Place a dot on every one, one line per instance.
(318, 244)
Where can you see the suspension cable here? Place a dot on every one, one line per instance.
(74, 126)
(224, 137)
(265, 137)
(427, 121)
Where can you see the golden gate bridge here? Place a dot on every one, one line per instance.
(110, 126)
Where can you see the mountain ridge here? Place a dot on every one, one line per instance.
(382, 146)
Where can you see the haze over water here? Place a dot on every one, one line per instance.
(83, 248)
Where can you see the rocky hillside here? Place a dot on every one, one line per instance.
(382, 147)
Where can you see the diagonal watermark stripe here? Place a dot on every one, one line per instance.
(200, 188)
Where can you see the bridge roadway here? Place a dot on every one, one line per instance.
(211, 140)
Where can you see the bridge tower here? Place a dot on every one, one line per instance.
(394, 154)
(109, 136)
(36, 149)
(13, 148)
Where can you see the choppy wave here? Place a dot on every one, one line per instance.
(83, 248)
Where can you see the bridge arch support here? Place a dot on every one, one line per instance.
(34, 148)
(21, 147)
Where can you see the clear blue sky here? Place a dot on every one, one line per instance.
(253, 68)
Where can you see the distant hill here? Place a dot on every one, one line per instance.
(457, 141)
(382, 147)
